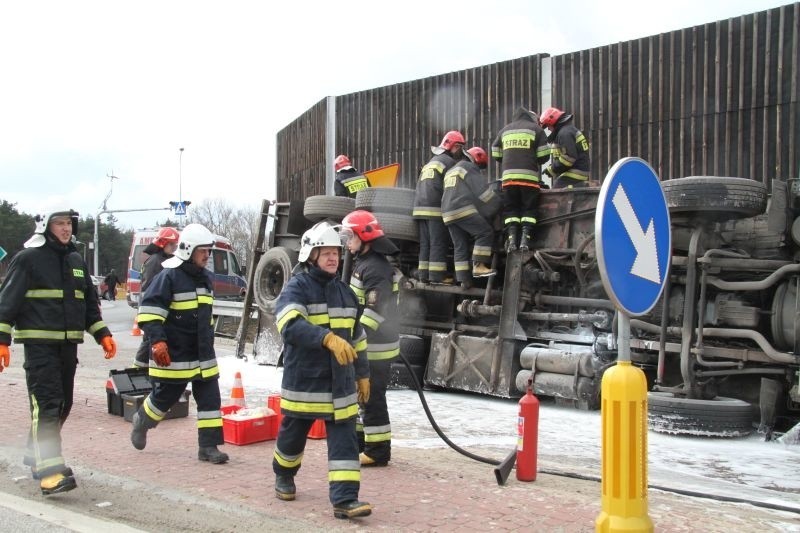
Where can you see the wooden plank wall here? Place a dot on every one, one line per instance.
(717, 99)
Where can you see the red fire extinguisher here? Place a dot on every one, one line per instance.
(527, 435)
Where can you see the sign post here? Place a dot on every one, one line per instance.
(634, 246)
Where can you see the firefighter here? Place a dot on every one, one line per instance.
(111, 281)
(348, 180)
(521, 148)
(175, 314)
(468, 203)
(325, 371)
(161, 249)
(373, 282)
(434, 239)
(48, 298)
(569, 162)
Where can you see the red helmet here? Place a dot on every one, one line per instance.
(364, 225)
(166, 236)
(550, 116)
(478, 155)
(451, 138)
(341, 162)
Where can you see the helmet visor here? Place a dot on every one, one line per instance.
(345, 234)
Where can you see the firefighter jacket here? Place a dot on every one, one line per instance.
(570, 153)
(521, 148)
(467, 193)
(428, 197)
(152, 265)
(312, 304)
(373, 283)
(349, 181)
(176, 308)
(48, 297)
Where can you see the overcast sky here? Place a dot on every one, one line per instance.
(90, 89)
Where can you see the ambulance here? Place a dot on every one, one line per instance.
(227, 275)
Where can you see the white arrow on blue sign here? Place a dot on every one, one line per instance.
(633, 236)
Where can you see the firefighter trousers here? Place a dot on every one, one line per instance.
(50, 377)
(520, 203)
(434, 242)
(463, 231)
(344, 470)
(376, 429)
(206, 395)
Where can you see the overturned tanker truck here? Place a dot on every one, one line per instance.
(719, 349)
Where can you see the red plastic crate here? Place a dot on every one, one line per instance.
(317, 430)
(241, 432)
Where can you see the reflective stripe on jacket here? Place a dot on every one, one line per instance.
(521, 147)
(570, 153)
(428, 196)
(466, 193)
(373, 282)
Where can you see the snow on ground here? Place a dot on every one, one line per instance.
(569, 439)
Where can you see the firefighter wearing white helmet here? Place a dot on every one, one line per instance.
(48, 302)
(175, 314)
(325, 371)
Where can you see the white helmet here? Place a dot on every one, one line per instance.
(42, 221)
(192, 236)
(322, 234)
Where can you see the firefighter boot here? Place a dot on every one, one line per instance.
(139, 431)
(352, 509)
(284, 488)
(57, 483)
(212, 455)
(481, 270)
(525, 240)
(512, 235)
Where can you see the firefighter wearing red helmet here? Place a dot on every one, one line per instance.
(468, 204)
(521, 148)
(161, 249)
(348, 180)
(374, 282)
(569, 149)
(434, 240)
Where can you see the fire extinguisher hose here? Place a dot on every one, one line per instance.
(436, 427)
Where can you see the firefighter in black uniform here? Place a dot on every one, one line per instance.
(325, 374)
(373, 281)
(348, 180)
(175, 314)
(434, 240)
(521, 148)
(161, 249)
(468, 205)
(569, 162)
(49, 300)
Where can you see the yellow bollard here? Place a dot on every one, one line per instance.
(624, 455)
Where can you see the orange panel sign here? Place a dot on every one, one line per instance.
(383, 176)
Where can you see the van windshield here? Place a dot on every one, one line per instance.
(235, 265)
(139, 257)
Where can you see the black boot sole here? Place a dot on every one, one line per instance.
(66, 485)
(364, 510)
(284, 496)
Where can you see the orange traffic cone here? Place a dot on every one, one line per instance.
(237, 392)
(135, 331)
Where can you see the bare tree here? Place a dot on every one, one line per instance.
(237, 224)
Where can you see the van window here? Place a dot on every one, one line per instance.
(235, 264)
(221, 262)
(139, 257)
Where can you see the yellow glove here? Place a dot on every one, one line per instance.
(109, 346)
(340, 348)
(161, 354)
(362, 386)
(5, 356)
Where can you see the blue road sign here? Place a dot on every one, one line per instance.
(633, 236)
(180, 208)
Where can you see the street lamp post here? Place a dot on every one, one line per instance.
(180, 180)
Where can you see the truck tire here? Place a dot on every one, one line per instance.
(320, 207)
(386, 200)
(272, 274)
(720, 417)
(400, 227)
(714, 197)
(399, 378)
(412, 348)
